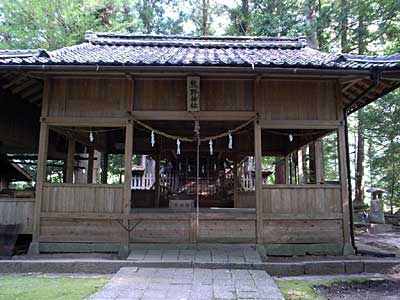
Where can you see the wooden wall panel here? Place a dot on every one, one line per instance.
(73, 97)
(82, 198)
(297, 100)
(227, 231)
(226, 95)
(17, 211)
(160, 94)
(160, 231)
(310, 201)
(78, 230)
(302, 231)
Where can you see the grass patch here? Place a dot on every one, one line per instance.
(304, 290)
(48, 288)
(298, 289)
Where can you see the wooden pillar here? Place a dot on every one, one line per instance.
(124, 247)
(157, 180)
(70, 161)
(258, 189)
(300, 170)
(235, 183)
(287, 170)
(90, 165)
(104, 168)
(40, 180)
(344, 191)
(318, 159)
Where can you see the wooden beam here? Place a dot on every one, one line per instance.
(31, 91)
(182, 115)
(87, 121)
(24, 86)
(70, 161)
(299, 124)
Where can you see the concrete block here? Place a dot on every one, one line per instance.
(382, 266)
(324, 268)
(284, 269)
(353, 267)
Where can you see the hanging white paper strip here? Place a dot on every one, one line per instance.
(230, 144)
(211, 147)
(290, 138)
(202, 169)
(153, 140)
(178, 147)
(91, 137)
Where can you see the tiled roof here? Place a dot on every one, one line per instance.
(153, 50)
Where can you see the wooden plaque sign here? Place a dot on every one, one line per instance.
(193, 93)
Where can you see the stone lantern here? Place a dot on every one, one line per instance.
(376, 214)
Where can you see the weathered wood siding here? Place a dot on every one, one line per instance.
(297, 100)
(216, 94)
(82, 198)
(79, 230)
(179, 227)
(81, 97)
(17, 211)
(302, 214)
(160, 94)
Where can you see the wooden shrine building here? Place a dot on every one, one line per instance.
(247, 138)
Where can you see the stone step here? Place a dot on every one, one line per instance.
(289, 268)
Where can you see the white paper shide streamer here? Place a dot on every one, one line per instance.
(153, 140)
(230, 144)
(290, 137)
(178, 147)
(211, 147)
(91, 137)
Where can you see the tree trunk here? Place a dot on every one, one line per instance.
(244, 23)
(309, 15)
(359, 176)
(344, 26)
(204, 25)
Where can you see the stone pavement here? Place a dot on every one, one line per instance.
(215, 254)
(188, 284)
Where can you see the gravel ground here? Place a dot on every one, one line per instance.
(388, 289)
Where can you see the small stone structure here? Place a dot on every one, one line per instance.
(376, 213)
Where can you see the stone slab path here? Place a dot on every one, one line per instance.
(217, 254)
(188, 284)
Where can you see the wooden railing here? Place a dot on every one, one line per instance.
(321, 201)
(17, 211)
(143, 182)
(82, 198)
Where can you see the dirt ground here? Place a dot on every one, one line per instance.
(388, 289)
